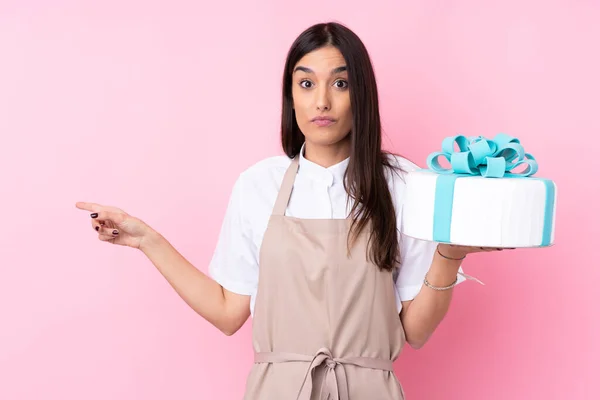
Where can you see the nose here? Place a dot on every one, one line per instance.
(323, 100)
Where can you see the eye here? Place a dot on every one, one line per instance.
(341, 84)
(305, 84)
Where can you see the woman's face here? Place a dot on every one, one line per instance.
(321, 96)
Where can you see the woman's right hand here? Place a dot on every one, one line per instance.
(115, 225)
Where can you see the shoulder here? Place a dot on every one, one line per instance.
(402, 162)
(257, 187)
(398, 167)
(395, 175)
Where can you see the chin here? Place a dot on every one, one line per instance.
(325, 138)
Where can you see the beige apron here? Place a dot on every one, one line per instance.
(325, 326)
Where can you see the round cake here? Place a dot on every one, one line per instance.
(479, 200)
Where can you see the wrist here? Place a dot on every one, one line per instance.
(451, 253)
(150, 240)
(443, 271)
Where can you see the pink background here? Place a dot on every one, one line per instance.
(155, 107)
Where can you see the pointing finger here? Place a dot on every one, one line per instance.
(93, 207)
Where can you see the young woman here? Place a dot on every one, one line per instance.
(310, 244)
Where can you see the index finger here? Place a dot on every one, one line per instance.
(88, 206)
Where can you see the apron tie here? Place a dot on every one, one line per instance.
(335, 384)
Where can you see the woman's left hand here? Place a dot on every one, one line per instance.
(458, 251)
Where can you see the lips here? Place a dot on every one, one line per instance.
(323, 121)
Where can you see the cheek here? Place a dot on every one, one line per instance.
(300, 113)
(347, 112)
(298, 101)
(302, 110)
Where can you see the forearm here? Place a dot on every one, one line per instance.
(430, 306)
(203, 294)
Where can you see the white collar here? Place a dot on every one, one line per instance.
(331, 175)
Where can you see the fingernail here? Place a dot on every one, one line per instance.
(115, 232)
(94, 215)
(97, 228)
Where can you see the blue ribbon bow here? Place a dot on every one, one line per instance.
(486, 157)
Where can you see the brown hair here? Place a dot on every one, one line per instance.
(364, 179)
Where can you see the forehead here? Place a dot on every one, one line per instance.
(322, 60)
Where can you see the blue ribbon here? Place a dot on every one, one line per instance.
(490, 158)
(478, 156)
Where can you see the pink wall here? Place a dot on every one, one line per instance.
(155, 108)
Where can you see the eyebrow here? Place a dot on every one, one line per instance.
(310, 71)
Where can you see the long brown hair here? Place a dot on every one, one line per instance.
(364, 179)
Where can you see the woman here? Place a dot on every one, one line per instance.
(338, 291)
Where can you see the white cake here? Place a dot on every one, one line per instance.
(473, 210)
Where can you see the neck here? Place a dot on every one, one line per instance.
(327, 155)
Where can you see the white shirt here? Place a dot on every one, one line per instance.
(318, 194)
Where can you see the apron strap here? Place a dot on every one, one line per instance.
(285, 191)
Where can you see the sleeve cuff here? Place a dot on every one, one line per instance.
(406, 293)
(237, 287)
